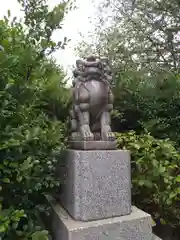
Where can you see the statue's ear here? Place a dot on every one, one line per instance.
(75, 74)
(79, 62)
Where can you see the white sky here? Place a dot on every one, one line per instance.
(76, 21)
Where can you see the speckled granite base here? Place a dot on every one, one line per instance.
(98, 184)
(136, 226)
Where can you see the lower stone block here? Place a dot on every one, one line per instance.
(136, 226)
(97, 183)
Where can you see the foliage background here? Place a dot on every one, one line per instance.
(33, 96)
(143, 47)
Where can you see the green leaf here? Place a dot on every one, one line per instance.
(155, 163)
(162, 169)
(2, 228)
(178, 178)
(15, 225)
(19, 178)
(137, 146)
(6, 180)
(40, 235)
(172, 195)
(141, 182)
(27, 164)
(163, 222)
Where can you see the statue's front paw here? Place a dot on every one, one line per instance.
(74, 136)
(88, 136)
(86, 133)
(111, 136)
(107, 134)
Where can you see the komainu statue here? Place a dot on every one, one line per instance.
(92, 101)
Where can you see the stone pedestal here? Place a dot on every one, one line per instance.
(97, 183)
(95, 199)
(135, 226)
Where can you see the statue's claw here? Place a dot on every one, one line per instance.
(107, 134)
(86, 133)
(111, 136)
(88, 136)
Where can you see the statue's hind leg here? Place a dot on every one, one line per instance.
(106, 132)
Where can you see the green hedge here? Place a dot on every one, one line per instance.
(32, 127)
(151, 103)
(155, 175)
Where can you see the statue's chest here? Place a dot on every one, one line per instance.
(98, 92)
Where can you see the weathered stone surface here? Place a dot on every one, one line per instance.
(97, 184)
(93, 145)
(135, 226)
(92, 100)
